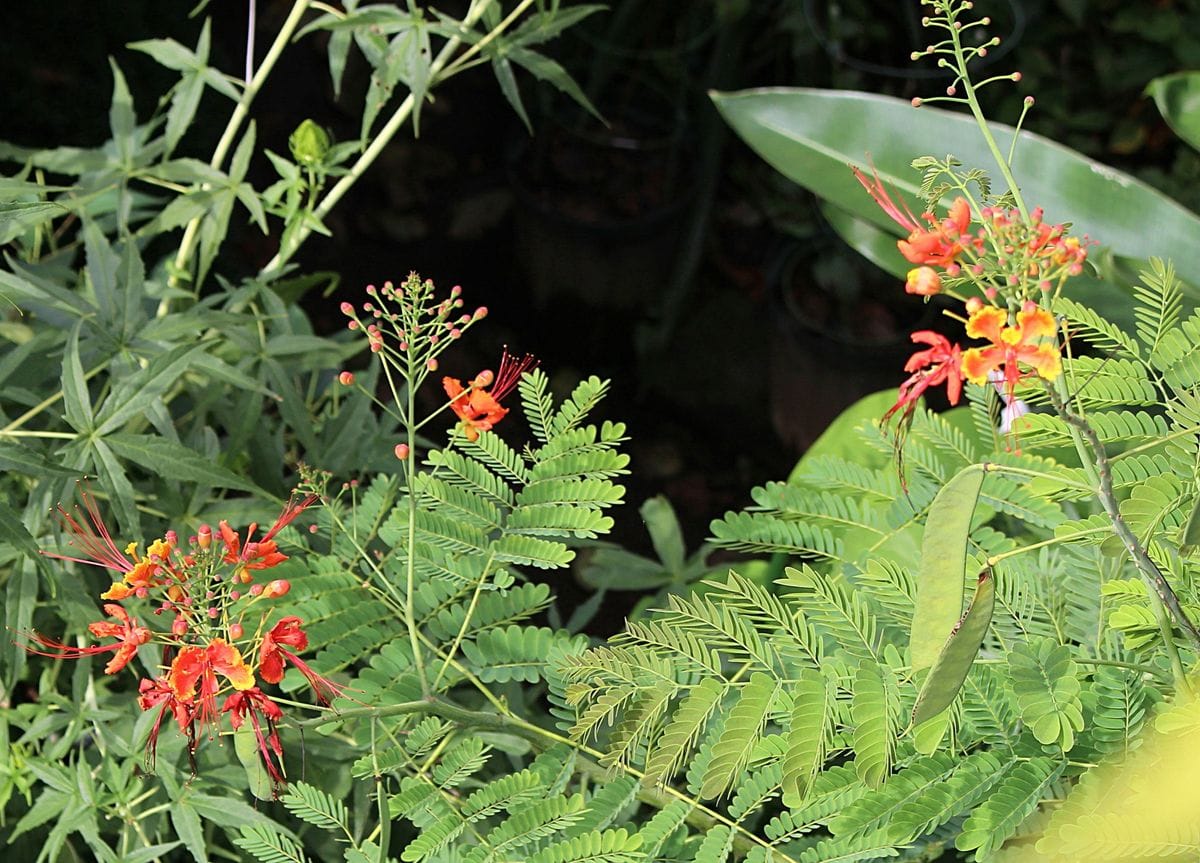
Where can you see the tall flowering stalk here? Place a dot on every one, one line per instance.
(407, 327)
(210, 604)
(1007, 266)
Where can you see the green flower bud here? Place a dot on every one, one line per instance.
(309, 144)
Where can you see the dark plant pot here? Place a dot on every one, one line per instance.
(830, 347)
(599, 215)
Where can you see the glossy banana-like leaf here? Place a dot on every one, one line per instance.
(813, 136)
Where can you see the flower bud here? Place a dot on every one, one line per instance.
(141, 593)
(235, 631)
(256, 589)
(401, 451)
(204, 536)
(431, 364)
(243, 575)
(346, 378)
(214, 612)
(235, 595)
(178, 627)
(347, 309)
(483, 379)
(276, 588)
(309, 144)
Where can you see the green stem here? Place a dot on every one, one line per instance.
(369, 155)
(1162, 596)
(240, 112)
(981, 120)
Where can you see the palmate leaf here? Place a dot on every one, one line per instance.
(742, 729)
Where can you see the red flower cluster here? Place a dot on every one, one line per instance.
(1009, 257)
(207, 654)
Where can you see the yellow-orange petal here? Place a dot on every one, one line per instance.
(1043, 359)
(227, 660)
(987, 323)
(960, 214)
(119, 590)
(1035, 323)
(977, 362)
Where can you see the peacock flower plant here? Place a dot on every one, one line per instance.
(220, 642)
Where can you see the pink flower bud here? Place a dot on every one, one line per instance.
(431, 364)
(178, 627)
(236, 631)
(141, 593)
(235, 595)
(347, 309)
(346, 378)
(401, 451)
(214, 612)
(276, 588)
(256, 589)
(481, 313)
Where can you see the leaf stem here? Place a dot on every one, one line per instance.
(242, 110)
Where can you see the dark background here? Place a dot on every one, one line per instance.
(658, 252)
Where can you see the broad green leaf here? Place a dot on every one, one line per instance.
(16, 217)
(950, 669)
(813, 136)
(245, 744)
(1178, 99)
(177, 462)
(943, 563)
(133, 395)
(114, 478)
(189, 829)
(77, 402)
(665, 534)
(121, 118)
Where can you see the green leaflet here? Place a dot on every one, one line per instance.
(742, 731)
(683, 730)
(812, 716)
(950, 669)
(943, 559)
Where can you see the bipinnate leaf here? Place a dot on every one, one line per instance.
(268, 846)
(950, 669)
(943, 561)
(812, 716)
(314, 806)
(1011, 801)
(1046, 686)
(682, 732)
(742, 731)
(873, 709)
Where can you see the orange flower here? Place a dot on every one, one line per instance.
(939, 244)
(1012, 346)
(271, 656)
(938, 364)
(129, 639)
(153, 693)
(199, 665)
(265, 553)
(477, 409)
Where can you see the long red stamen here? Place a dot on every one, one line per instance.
(510, 373)
(95, 542)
